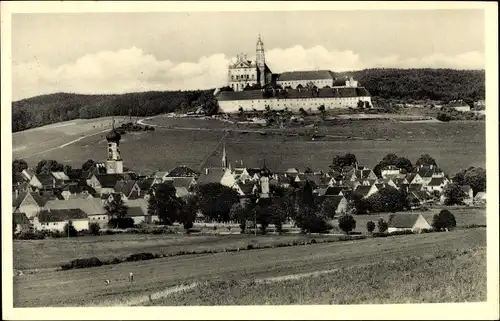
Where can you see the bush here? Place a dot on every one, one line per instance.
(82, 263)
(250, 247)
(140, 257)
(382, 225)
(380, 234)
(70, 230)
(444, 220)
(30, 235)
(370, 226)
(404, 232)
(347, 223)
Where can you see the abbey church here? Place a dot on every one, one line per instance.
(253, 86)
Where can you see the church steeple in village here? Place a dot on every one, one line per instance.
(114, 163)
(261, 61)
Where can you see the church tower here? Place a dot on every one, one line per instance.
(114, 163)
(261, 61)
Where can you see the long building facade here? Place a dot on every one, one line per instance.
(252, 86)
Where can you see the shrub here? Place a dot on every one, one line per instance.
(370, 226)
(380, 234)
(444, 220)
(347, 223)
(426, 230)
(70, 230)
(140, 257)
(82, 263)
(382, 225)
(404, 232)
(116, 261)
(30, 235)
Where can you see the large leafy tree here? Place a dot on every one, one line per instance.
(189, 211)
(48, 166)
(18, 165)
(216, 200)
(425, 160)
(443, 220)
(473, 176)
(453, 194)
(394, 160)
(164, 203)
(116, 209)
(347, 223)
(388, 199)
(339, 162)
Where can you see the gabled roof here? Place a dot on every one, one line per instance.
(185, 182)
(334, 190)
(91, 206)
(182, 171)
(335, 199)
(140, 202)
(214, 175)
(362, 189)
(466, 188)
(145, 183)
(421, 195)
(40, 201)
(292, 171)
(306, 75)
(60, 176)
(109, 180)
(47, 179)
(135, 211)
(404, 220)
(61, 215)
(480, 195)
(320, 191)
(415, 187)
(436, 181)
(160, 174)
(124, 187)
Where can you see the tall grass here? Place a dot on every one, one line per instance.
(452, 276)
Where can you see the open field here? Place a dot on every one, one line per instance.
(455, 146)
(447, 277)
(52, 253)
(86, 287)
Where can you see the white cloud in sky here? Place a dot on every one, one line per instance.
(132, 70)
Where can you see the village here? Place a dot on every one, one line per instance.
(49, 200)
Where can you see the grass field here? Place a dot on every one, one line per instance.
(453, 276)
(52, 253)
(86, 287)
(454, 145)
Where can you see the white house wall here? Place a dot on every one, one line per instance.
(293, 104)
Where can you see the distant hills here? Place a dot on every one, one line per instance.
(404, 84)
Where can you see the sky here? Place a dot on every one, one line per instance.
(129, 52)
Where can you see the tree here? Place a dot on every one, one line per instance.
(70, 230)
(347, 223)
(18, 165)
(425, 160)
(216, 200)
(164, 203)
(404, 163)
(358, 204)
(453, 194)
(339, 162)
(443, 220)
(310, 222)
(473, 176)
(116, 210)
(370, 226)
(48, 166)
(361, 104)
(188, 212)
(382, 225)
(88, 165)
(94, 228)
(307, 199)
(367, 105)
(388, 199)
(321, 108)
(278, 215)
(240, 214)
(303, 112)
(328, 208)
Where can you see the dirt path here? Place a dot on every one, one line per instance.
(71, 142)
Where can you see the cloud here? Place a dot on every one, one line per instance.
(132, 69)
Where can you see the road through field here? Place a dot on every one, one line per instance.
(86, 287)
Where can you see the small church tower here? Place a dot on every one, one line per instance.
(261, 61)
(225, 162)
(114, 163)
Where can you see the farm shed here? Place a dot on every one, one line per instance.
(407, 222)
(55, 220)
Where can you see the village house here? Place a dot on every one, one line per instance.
(45, 181)
(437, 185)
(93, 208)
(55, 220)
(390, 171)
(30, 203)
(129, 189)
(366, 191)
(181, 171)
(480, 198)
(159, 177)
(414, 222)
(137, 214)
(75, 191)
(220, 175)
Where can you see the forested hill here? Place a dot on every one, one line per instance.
(434, 84)
(404, 84)
(47, 109)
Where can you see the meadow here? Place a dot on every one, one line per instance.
(86, 287)
(454, 145)
(448, 276)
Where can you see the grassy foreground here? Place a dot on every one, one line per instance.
(458, 276)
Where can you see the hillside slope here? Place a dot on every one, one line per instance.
(404, 84)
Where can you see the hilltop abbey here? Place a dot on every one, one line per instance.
(253, 86)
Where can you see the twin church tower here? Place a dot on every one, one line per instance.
(244, 72)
